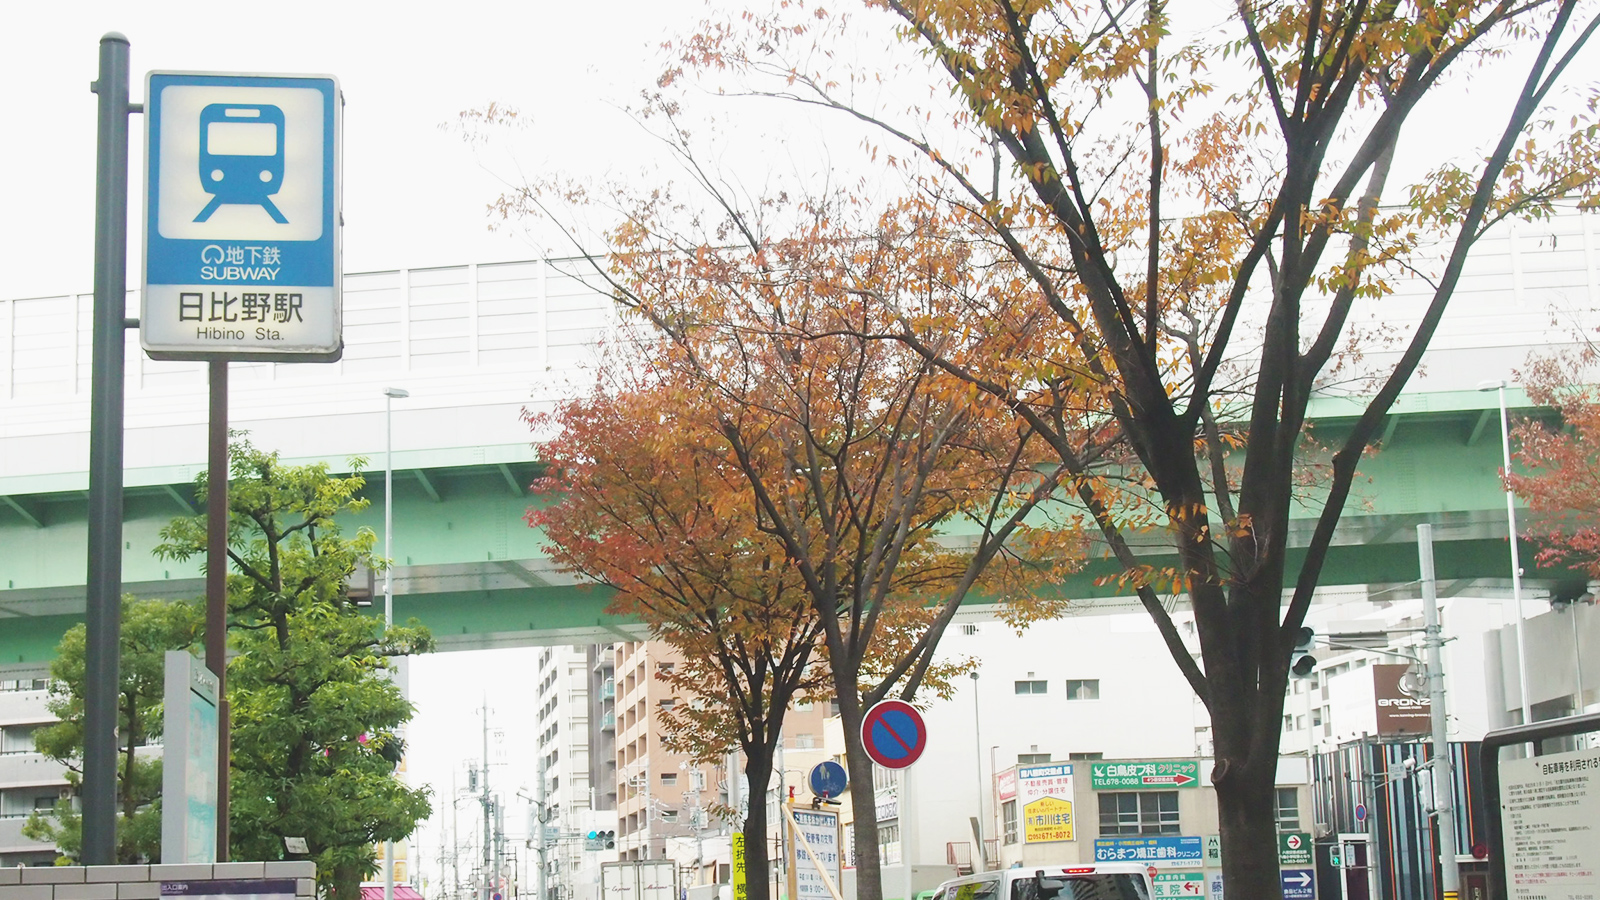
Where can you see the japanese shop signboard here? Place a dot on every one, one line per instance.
(1046, 794)
(242, 218)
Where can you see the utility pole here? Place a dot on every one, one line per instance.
(1443, 784)
(486, 888)
(539, 820)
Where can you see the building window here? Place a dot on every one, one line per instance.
(802, 706)
(1083, 689)
(665, 668)
(889, 844)
(17, 738)
(1144, 812)
(1033, 687)
(669, 816)
(668, 703)
(805, 742)
(969, 630)
(1288, 809)
(1008, 821)
(1028, 759)
(669, 778)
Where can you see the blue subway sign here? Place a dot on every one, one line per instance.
(242, 217)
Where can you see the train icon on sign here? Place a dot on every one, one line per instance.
(241, 156)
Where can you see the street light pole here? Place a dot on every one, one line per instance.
(977, 754)
(1516, 561)
(389, 396)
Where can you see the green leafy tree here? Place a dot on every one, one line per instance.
(149, 629)
(315, 715)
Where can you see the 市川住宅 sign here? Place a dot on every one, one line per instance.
(242, 215)
(1046, 796)
(1144, 775)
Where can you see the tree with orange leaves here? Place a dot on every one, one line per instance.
(642, 497)
(761, 433)
(1191, 261)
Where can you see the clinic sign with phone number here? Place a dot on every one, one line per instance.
(242, 218)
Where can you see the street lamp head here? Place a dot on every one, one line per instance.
(1493, 385)
(396, 393)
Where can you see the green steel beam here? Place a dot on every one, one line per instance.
(460, 519)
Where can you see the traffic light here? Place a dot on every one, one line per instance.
(1301, 662)
(600, 840)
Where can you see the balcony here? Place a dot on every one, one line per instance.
(608, 722)
(608, 689)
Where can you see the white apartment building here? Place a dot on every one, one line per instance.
(28, 779)
(576, 722)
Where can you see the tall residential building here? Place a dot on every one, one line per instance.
(663, 801)
(576, 725)
(28, 779)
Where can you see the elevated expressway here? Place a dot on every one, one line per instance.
(476, 345)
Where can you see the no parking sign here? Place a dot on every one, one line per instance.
(894, 734)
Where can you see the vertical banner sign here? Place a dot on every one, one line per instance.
(1046, 796)
(242, 218)
(741, 890)
(189, 776)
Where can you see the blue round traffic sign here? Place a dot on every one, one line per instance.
(1361, 812)
(828, 779)
(894, 734)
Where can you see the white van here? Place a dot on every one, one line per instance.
(1091, 881)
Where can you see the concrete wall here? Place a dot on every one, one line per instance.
(141, 882)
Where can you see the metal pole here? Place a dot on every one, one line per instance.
(388, 579)
(907, 831)
(1443, 782)
(217, 581)
(977, 767)
(103, 597)
(539, 824)
(1516, 562)
(486, 890)
(1577, 660)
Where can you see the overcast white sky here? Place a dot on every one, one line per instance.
(414, 195)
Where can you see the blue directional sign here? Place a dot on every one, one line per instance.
(828, 779)
(1299, 884)
(242, 217)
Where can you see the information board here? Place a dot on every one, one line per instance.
(816, 845)
(189, 777)
(1550, 807)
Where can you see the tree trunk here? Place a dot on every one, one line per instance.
(345, 882)
(757, 861)
(1248, 824)
(863, 802)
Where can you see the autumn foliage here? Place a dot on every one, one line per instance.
(1560, 477)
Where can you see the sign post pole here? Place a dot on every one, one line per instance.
(217, 582)
(103, 601)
